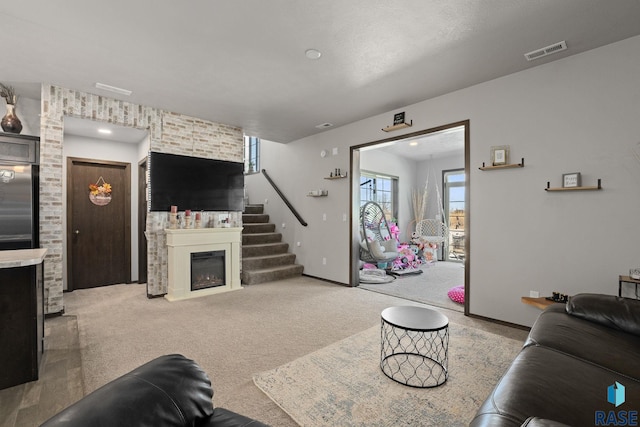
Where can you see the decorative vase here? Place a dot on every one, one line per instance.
(10, 122)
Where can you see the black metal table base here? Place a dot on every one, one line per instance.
(416, 358)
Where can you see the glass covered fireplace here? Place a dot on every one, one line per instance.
(202, 262)
(207, 270)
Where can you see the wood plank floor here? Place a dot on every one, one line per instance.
(60, 380)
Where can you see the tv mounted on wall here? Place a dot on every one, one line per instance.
(194, 183)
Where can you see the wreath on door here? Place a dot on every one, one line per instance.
(100, 192)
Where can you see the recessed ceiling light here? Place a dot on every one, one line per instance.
(324, 125)
(413, 143)
(313, 54)
(105, 131)
(113, 89)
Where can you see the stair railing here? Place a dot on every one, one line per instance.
(284, 199)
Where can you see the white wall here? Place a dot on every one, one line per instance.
(99, 149)
(576, 114)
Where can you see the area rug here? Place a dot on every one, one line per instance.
(342, 384)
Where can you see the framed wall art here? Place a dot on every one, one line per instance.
(571, 180)
(499, 155)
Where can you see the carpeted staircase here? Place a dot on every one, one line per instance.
(264, 255)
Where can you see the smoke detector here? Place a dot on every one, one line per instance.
(324, 125)
(549, 50)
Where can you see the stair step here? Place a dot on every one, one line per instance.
(258, 238)
(260, 262)
(271, 274)
(265, 257)
(258, 228)
(253, 209)
(264, 249)
(254, 218)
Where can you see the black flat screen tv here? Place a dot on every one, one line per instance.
(194, 183)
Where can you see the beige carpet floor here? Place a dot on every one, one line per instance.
(343, 385)
(233, 336)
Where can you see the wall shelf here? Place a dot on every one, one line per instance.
(587, 188)
(318, 193)
(336, 177)
(398, 126)
(509, 166)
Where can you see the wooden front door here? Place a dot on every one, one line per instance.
(98, 237)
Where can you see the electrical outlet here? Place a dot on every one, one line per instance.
(284, 225)
(534, 294)
(266, 201)
(298, 244)
(324, 216)
(324, 261)
(344, 217)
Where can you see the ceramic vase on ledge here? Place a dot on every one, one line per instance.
(10, 122)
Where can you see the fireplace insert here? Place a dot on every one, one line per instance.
(207, 270)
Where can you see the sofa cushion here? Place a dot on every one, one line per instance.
(548, 384)
(608, 310)
(168, 391)
(589, 341)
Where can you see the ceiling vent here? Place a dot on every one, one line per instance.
(554, 48)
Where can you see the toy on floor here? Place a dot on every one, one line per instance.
(429, 249)
(407, 257)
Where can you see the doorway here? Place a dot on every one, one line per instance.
(98, 233)
(401, 156)
(454, 208)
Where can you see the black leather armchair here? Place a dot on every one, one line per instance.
(168, 391)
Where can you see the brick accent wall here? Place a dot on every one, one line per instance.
(169, 133)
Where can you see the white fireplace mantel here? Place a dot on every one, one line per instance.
(181, 243)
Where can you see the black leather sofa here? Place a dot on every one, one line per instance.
(168, 391)
(574, 353)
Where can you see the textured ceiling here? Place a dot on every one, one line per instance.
(242, 62)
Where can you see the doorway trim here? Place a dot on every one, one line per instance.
(69, 209)
(354, 162)
(142, 221)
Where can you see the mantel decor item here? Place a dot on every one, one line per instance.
(499, 155)
(571, 180)
(10, 122)
(100, 192)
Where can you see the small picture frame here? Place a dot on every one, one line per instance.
(571, 180)
(398, 118)
(500, 155)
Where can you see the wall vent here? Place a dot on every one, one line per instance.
(539, 53)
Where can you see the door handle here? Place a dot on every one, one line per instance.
(77, 232)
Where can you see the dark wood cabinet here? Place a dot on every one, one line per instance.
(21, 324)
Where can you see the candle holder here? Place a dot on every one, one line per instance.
(173, 221)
